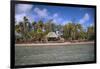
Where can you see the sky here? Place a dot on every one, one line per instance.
(60, 14)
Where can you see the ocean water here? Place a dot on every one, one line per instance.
(28, 55)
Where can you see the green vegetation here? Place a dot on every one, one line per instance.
(36, 31)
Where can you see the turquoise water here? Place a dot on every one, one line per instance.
(26, 55)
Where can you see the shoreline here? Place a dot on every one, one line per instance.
(54, 44)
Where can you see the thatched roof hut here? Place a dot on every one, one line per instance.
(52, 35)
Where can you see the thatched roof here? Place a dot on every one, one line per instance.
(52, 34)
(17, 34)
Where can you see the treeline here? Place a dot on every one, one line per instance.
(36, 31)
(76, 32)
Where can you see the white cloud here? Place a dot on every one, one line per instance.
(57, 20)
(55, 15)
(84, 19)
(41, 13)
(23, 8)
(60, 19)
(19, 17)
(92, 24)
(66, 22)
(54, 21)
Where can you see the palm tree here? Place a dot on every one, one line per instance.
(24, 28)
(48, 25)
(78, 30)
(25, 24)
(34, 25)
(68, 31)
(39, 30)
(40, 24)
(91, 34)
(19, 30)
(72, 31)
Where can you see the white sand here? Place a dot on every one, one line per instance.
(52, 44)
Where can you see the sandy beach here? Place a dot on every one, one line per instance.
(52, 44)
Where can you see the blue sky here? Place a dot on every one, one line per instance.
(59, 14)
